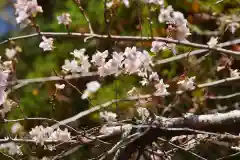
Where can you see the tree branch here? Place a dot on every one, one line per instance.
(125, 38)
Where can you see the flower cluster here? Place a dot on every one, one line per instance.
(143, 113)
(131, 61)
(64, 19)
(187, 83)
(177, 23)
(80, 62)
(12, 148)
(41, 134)
(26, 9)
(108, 116)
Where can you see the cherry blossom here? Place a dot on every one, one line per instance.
(135, 60)
(154, 76)
(60, 86)
(177, 22)
(165, 14)
(112, 2)
(213, 41)
(159, 2)
(78, 53)
(92, 87)
(46, 44)
(60, 135)
(158, 46)
(143, 113)
(16, 127)
(12, 148)
(65, 19)
(187, 83)
(144, 82)
(40, 134)
(7, 105)
(71, 66)
(3, 84)
(180, 23)
(10, 53)
(161, 88)
(234, 72)
(98, 58)
(108, 116)
(26, 9)
(233, 27)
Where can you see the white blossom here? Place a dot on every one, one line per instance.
(176, 20)
(10, 53)
(16, 127)
(12, 148)
(92, 87)
(60, 86)
(7, 104)
(136, 60)
(181, 30)
(98, 58)
(159, 2)
(212, 42)
(126, 3)
(26, 9)
(3, 84)
(7, 64)
(65, 19)
(60, 135)
(233, 27)
(112, 2)
(165, 14)
(187, 83)
(144, 82)
(161, 88)
(71, 66)
(154, 76)
(40, 134)
(85, 65)
(82, 60)
(143, 113)
(111, 129)
(108, 116)
(112, 66)
(234, 73)
(79, 53)
(158, 46)
(46, 44)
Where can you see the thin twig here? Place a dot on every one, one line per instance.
(85, 15)
(181, 148)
